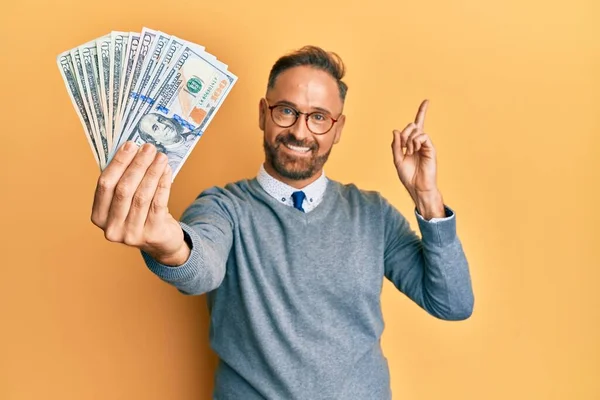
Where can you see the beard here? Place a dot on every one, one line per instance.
(291, 167)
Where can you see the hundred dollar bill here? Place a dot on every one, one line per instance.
(176, 47)
(117, 55)
(172, 50)
(103, 48)
(146, 38)
(183, 106)
(76, 57)
(89, 58)
(158, 49)
(128, 61)
(210, 57)
(67, 70)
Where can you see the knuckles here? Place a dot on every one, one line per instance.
(95, 220)
(131, 239)
(152, 172)
(139, 163)
(119, 159)
(104, 185)
(113, 234)
(139, 201)
(122, 235)
(156, 208)
(122, 192)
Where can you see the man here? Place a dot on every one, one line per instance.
(292, 261)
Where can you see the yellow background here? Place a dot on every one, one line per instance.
(514, 113)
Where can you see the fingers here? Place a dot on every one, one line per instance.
(412, 138)
(397, 147)
(410, 141)
(160, 202)
(420, 118)
(124, 191)
(405, 136)
(140, 204)
(401, 140)
(418, 141)
(107, 182)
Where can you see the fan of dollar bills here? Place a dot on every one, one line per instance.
(146, 87)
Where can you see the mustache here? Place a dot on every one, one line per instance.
(289, 139)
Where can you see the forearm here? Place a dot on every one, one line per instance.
(432, 270)
(446, 283)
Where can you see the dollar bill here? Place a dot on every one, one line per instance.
(191, 93)
(209, 57)
(117, 55)
(158, 49)
(103, 49)
(89, 58)
(76, 57)
(167, 65)
(128, 60)
(146, 38)
(148, 87)
(67, 70)
(172, 50)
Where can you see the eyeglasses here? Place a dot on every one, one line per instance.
(318, 122)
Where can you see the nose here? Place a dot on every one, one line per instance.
(300, 129)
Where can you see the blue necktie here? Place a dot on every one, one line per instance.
(298, 198)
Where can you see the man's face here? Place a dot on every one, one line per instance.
(295, 152)
(159, 127)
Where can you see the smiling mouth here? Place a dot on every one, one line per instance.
(297, 149)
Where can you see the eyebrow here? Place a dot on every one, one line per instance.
(291, 104)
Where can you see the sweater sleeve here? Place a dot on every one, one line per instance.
(433, 270)
(208, 230)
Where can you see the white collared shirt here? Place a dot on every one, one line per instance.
(282, 192)
(314, 193)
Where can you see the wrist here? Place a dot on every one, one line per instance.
(430, 204)
(173, 259)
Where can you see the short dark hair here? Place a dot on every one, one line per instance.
(315, 57)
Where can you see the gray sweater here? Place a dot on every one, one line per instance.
(294, 297)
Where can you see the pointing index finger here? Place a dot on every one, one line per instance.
(420, 118)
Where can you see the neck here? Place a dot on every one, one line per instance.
(298, 184)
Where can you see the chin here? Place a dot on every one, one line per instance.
(294, 167)
(294, 170)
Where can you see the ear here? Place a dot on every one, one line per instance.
(262, 114)
(338, 128)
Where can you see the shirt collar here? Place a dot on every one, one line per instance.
(282, 192)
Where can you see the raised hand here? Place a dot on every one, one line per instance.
(415, 161)
(130, 204)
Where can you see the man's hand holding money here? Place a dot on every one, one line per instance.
(130, 204)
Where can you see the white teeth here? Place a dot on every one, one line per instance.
(299, 149)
